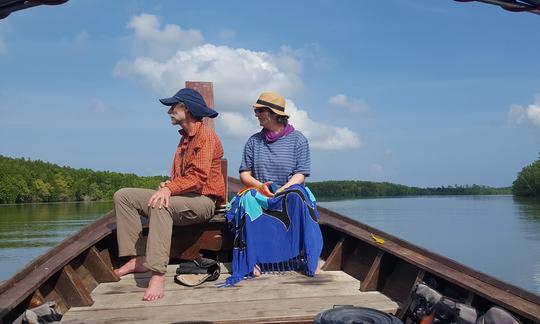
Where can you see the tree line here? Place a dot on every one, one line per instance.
(527, 183)
(27, 181)
(360, 189)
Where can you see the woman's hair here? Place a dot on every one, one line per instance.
(283, 120)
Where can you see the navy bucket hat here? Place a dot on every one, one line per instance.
(193, 101)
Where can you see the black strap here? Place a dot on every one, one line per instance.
(271, 105)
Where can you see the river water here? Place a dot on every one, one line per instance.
(498, 235)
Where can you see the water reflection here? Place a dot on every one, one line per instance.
(27, 231)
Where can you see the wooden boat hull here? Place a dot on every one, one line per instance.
(69, 272)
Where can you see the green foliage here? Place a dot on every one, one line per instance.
(527, 183)
(365, 189)
(25, 181)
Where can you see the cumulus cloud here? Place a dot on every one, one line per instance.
(159, 42)
(239, 76)
(238, 125)
(354, 105)
(322, 136)
(520, 115)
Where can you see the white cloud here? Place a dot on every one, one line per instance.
(236, 124)
(525, 116)
(322, 136)
(354, 105)
(239, 76)
(147, 28)
(153, 40)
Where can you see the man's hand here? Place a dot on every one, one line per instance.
(160, 198)
(163, 184)
(265, 189)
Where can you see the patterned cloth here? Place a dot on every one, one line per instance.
(277, 161)
(197, 164)
(278, 234)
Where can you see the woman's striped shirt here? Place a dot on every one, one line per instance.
(276, 161)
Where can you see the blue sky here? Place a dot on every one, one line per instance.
(417, 92)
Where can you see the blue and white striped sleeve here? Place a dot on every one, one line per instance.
(247, 157)
(303, 158)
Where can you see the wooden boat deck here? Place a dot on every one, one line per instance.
(288, 297)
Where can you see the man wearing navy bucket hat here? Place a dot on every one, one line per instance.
(195, 187)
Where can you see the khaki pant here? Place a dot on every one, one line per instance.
(131, 203)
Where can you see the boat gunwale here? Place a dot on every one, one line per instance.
(333, 220)
(41, 269)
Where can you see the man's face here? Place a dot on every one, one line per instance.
(178, 113)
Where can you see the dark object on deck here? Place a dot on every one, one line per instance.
(354, 315)
(424, 299)
(532, 6)
(45, 313)
(8, 6)
(497, 315)
(192, 273)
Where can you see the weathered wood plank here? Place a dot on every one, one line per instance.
(98, 267)
(222, 311)
(335, 282)
(333, 262)
(70, 286)
(370, 282)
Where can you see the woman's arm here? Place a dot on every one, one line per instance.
(297, 178)
(249, 181)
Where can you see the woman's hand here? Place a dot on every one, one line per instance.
(265, 189)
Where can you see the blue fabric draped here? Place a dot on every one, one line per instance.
(277, 234)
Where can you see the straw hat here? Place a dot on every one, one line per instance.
(272, 101)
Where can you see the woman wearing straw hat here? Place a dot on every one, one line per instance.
(278, 156)
(274, 159)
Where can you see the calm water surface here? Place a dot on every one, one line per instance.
(26, 231)
(498, 235)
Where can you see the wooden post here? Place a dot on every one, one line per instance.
(206, 89)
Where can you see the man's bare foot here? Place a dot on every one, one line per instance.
(156, 287)
(134, 265)
(257, 271)
(318, 270)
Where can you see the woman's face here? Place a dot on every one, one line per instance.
(265, 117)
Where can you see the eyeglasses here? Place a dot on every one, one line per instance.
(259, 110)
